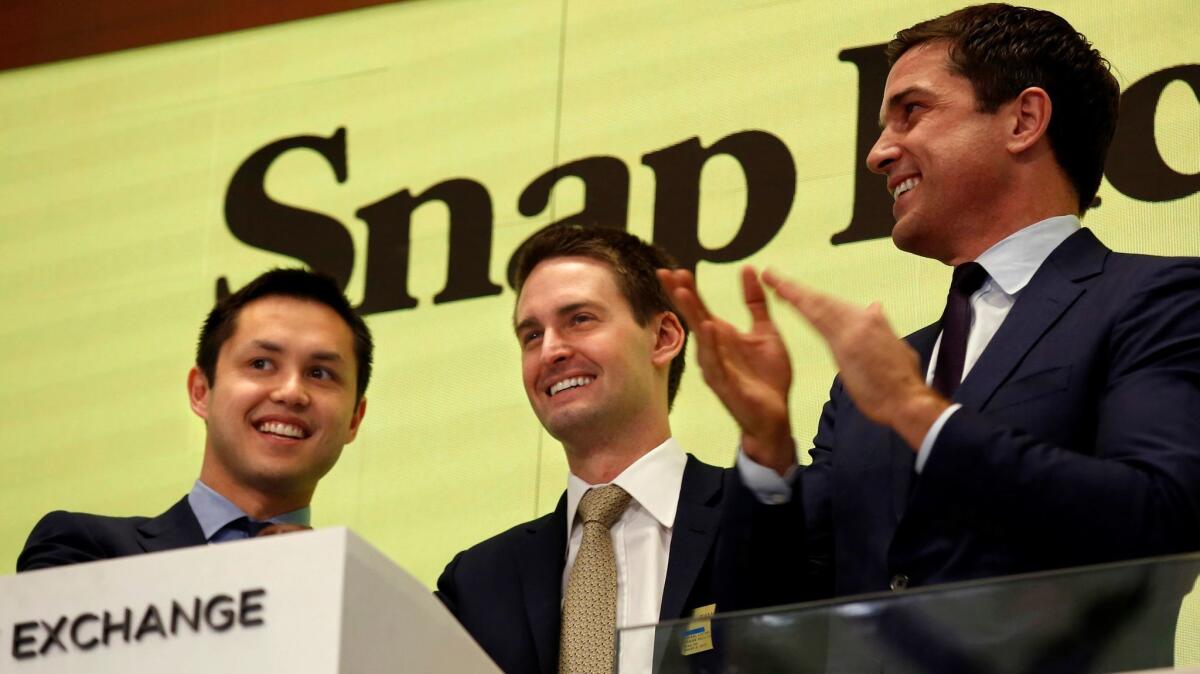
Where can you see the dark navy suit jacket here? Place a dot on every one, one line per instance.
(1078, 441)
(726, 549)
(62, 538)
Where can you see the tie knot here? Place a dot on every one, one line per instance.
(967, 278)
(603, 505)
(251, 527)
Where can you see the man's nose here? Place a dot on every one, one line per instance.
(291, 390)
(883, 153)
(555, 348)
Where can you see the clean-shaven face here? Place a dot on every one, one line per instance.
(585, 361)
(283, 403)
(943, 159)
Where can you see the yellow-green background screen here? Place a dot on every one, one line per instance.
(114, 170)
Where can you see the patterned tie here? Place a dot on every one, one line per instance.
(587, 643)
(956, 326)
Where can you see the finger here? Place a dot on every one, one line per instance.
(690, 307)
(669, 280)
(680, 284)
(709, 353)
(756, 301)
(824, 312)
(878, 316)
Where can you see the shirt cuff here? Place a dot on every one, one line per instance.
(932, 435)
(766, 485)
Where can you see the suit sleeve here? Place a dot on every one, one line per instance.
(58, 539)
(816, 494)
(767, 553)
(1136, 491)
(447, 586)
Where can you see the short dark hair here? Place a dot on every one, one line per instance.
(295, 283)
(1003, 50)
(633, 263)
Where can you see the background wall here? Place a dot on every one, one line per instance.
(117, 219)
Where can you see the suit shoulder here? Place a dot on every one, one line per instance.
(65, 520)
(507, 539)
(62, 537)
(1136, 265)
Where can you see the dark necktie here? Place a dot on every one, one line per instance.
(249, 526)
(956, 325)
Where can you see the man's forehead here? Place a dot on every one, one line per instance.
(553, 301)
(920, 70)
(291, 323)
(562, 283)
(924, 58)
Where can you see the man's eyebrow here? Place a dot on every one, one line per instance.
(565, 309)
(325, 356)
(897, 98)
(267, 346)
(572, 307)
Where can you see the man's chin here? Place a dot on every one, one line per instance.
(909, 236)
(568, 426)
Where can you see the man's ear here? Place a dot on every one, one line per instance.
(198, 388)
(1030, 115)
(668, 338)
(356, 420)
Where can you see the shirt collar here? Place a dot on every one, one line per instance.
(653, 481)
(214, 511)
(1012, 262)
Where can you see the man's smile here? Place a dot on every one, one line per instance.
(292, 430)
(568, 383)
(904, 186)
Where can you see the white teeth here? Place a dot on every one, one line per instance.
(905, 186)
(279, 428)
(570, 383)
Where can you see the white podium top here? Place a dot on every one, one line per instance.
(319, 601)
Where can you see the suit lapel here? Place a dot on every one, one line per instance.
(1051, 291)
(903, 457)
(695, 529)
(540, 562)
(176, 528)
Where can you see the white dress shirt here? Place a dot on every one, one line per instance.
(1010, 265)
(641, 543)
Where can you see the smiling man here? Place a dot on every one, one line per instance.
(1050, 418)
(642, 533)
(281, 369)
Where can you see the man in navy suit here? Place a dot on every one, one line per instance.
(281, 370)
(602, 355)
(1052, 417)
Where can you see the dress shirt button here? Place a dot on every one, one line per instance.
(899, 582)
(778, 499)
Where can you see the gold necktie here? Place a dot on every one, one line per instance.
(587, 641)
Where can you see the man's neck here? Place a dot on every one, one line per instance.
(256, 503)
(601, 462)
(1040, 193)
(973, 248)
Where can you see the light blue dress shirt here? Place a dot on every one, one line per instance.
(215, 513)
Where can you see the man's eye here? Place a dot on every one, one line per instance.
(320, 373)
(580, 318)
(530, 337)
(260, 363)
(910, 108)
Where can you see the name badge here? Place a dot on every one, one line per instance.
(697, 638)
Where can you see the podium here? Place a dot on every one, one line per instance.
(319, 601)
